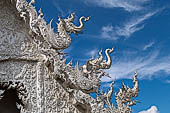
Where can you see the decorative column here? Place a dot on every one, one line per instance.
(40, 87)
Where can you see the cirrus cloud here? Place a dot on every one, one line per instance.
(128, 28)
(127, 5)
(148, 66)
(148, 46)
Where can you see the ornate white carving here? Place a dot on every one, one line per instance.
(31, 54)
(38, 25)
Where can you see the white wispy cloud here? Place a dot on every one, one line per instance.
(147, 67)
(127, 5)
(168, 81)
(148, 45)
(126, 29)
(92, 53)
(107, 31)
(152, 109)
(106, 85)
(59, 8)
(133, 25)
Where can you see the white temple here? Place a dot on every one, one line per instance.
(34, 76)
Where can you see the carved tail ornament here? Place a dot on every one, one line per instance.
(107, 64)
(135, 89)
(79, 28)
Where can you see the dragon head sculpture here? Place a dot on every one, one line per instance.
(68, 25)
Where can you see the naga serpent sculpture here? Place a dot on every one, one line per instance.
(96, 64)
(38, 25)
(124, 98)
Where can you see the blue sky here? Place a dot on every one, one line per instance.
(140, 32)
